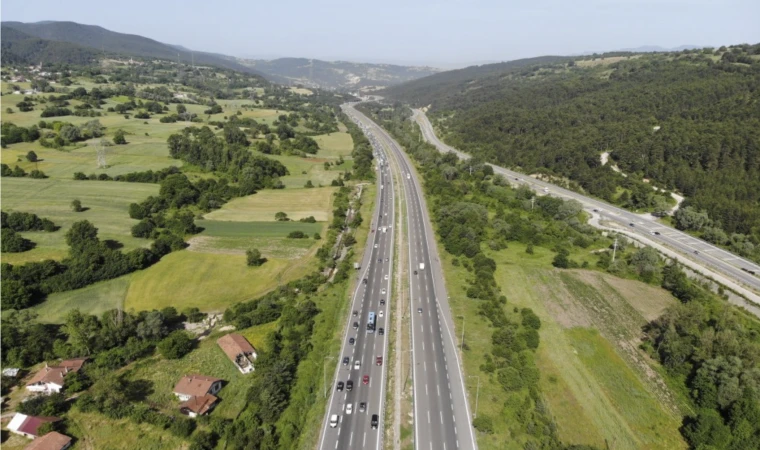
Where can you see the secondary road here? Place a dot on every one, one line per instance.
(442, 419)
(363, 345)
(707, 255)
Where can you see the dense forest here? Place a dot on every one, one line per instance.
(684, 121)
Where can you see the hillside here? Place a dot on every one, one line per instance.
(686, 121)
(99, 38)
(21, 48)
(340, 75)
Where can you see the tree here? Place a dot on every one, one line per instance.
(76, 205)
(119, 137)
(689, 218)
(308, 184)
(31, 156)
(561, 259)
(483, 423)
(82, 235)
(176, 345)
(281, 217)
(253, 257)
(646, 261)
(70, 133)
(181, 109)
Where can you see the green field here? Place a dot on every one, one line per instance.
(598, 385)
(262, 206)
(94, 299)
(268, 237)
(108, 204)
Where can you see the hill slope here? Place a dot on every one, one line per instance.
(339, 75)
(561, 117)
(21, 48)
(125, 44)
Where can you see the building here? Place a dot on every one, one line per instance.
(27, 426)
(50, 378)
(239, 350)
(11, 372)
(196, 386)
(51, 441)
(198, 406)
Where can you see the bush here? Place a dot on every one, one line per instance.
(484, 424)
(44, 405)
(13, 242)
(76, 205)
(182, 427)
(176, 345)
(37, 174)
(31, 156)
(309, 219)
(297, 235)
(253, 257)
(119, 137)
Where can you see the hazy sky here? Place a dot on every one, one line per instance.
(447, 32)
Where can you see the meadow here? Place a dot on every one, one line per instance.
(597, 384)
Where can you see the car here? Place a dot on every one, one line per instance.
(351, 341)
(632, 224)
(379, 360)
(339, 386)
(419, 310)
(382, 291)
(387, 259)
(380, 314)
(364, 281)
(350, 408)
(365, 379)
(379, 259)
(375, 245)
(596, 210)
(357, 364)
(381, 331)
(363, 407)
(334, 421)
(356, 313)
(657, 233)
(415, 272)
(386, 277)
(349, 385)
(356, 325)
(696, 252)
(345, 361)
(382, 301)
(375, 421)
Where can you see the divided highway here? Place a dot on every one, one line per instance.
(355, 412)
(707, 255)
(442, 419)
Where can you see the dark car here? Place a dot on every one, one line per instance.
(379, 360)
(632, 224)
(346, 361)
(356, 325)
(339, 387)
(364, 281)
(375, 421)
(382, 301)
(349, 385)
(415, 272)
(365, 379)
(363, 407)
(356, 313)
(351, 341)
(381, 331)
(379, 259)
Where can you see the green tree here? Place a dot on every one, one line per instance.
(253, 257)
(281, 217)
(181, 109)
(176, 345)
(31, 156)
(119, 138)
(76, 205)
(308, 184)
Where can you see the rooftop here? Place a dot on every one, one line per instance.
(51, 441)
(195, 385)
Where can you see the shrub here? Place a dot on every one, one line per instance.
(76, 205)
(119, 137)
(297, 235)
(176, 345)
(483, 423)
(253, 257)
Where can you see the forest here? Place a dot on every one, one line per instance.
(683, 121)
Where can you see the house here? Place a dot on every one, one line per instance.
(11, 372)
(50, 378)
(198, 406)
(50, 441)
(191, 386)
(28, 425)
(239, 350)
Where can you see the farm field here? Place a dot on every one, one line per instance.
(263, 205)
(597, 384)
(107, 204)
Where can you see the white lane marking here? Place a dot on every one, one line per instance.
(429, 422)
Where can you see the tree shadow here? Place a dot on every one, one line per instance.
(113, 244)
(139, 390)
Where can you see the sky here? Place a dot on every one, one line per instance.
(447, 33)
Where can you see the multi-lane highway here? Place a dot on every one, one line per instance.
(707, 255)
(354, 417)
(442, 417)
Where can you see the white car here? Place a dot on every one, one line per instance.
(386, 277)
(357, 364)
(375, 245)
(381, 313)
(350, 408)
(333, 421)
(382, 291)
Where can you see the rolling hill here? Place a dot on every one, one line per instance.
(99, 38)
(21, 48)
(339, 75)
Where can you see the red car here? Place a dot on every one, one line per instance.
(379, 360)
(365, 379)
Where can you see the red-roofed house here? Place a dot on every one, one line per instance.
(51, 441)
(198, 406)
(28, 425)
(191, 386)
(239, 350)
(50, 378)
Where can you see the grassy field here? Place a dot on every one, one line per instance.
(94, 299)
(597, 383)
(263, 205)
(108, 204)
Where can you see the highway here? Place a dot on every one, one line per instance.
(361, 345)
(703, 253)
(442, 419)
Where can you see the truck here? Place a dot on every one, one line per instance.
(422, 266)
(357, 266)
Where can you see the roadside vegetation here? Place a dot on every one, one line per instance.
(569, 347)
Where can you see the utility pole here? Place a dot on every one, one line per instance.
(477, 395)
(614, 249)
(462, 345)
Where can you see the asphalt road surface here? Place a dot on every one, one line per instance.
(725, 263)
(441, 412)
(354, 430)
